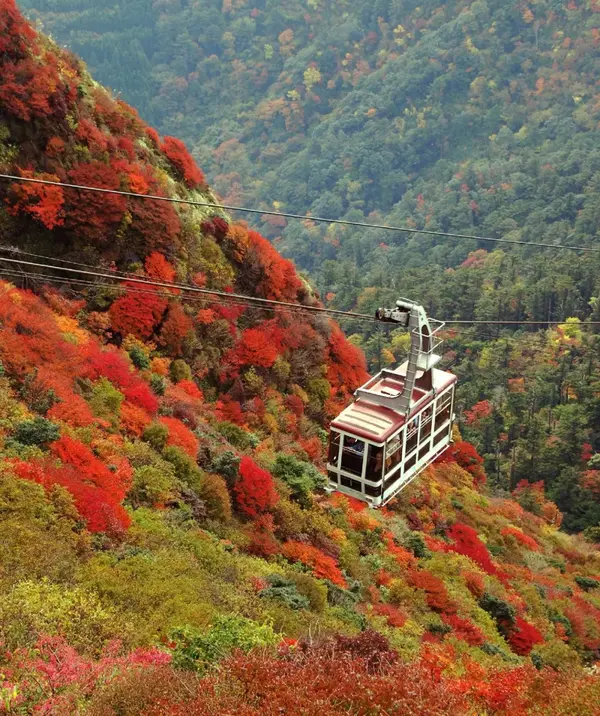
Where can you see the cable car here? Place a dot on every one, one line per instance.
(400, 421)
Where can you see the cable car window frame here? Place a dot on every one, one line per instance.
(335, 439)
(374, 476)
(348, 451)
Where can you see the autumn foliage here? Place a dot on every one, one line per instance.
(178, 155)
(322, 565)
(254, 490)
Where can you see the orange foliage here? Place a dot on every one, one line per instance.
(44, 203)
(158, 268)
(73, 410)
(323, 566)
(134, 419)
(175, 328)
(180, 436)
(91, 215)
(521, 537)
(346, 365)
(434, 588)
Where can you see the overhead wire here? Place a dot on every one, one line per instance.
(299, 217)
(230, 299)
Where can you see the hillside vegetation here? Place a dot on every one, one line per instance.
(165, 543)
(472, 117)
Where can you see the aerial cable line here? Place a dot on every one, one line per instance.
(14, 273)
(300, 217)
(193, 289)
(233, 299)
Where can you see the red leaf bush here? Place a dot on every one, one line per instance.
(254, 491)
(175, 150)
(523, 637)
(180, 436)
(323, 566)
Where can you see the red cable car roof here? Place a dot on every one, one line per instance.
(378, 423)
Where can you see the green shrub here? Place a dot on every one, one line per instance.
(284, 590)
(38, 535)
(185, 467)
(416, 544)
(301, 477)
(215, 495)
(158, 384)
(237, 436)
(139, 358)
(156, 434)
(180, 370)
(34, 608)
(106, 400)
(195, 649)
(592, 534)
(226, 464)
(314, 590)
(498, 608)
(150, 486)
(587, 583)
(39, 432)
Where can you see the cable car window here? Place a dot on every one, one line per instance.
(444, 409)
(332, 476)
(373, 490)
(440, 436)
(412, 435)
(353, 455)
(334, 448)
(394, 452)
(374, 464)
(426, 422)
(352, 484)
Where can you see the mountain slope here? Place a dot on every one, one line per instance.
(165, 545)
(469, 117)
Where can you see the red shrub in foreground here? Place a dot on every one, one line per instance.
(521, 538)
(74, 411)
(395, 617)
(134, 419)
(44, 203)
(475, 583)
(464, 629)
(523, 637)
(181, 437)
(158, 268)
(143, 397)
(175, 328)
(96, 491)
(323, 566)
(91, 215)
(255, 492)
(256, 347)
(137, 313)
(175, 150)
(467, 543)
(16, 34)
(346, 364)
(434, 588)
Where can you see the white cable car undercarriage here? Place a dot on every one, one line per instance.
(400, 421)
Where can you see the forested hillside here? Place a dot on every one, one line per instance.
(477, 117)
(471, 117)
(166, 546)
